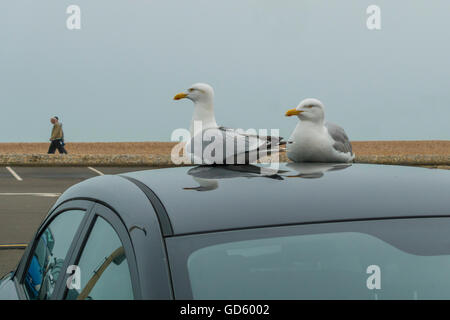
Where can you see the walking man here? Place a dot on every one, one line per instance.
(57, 138)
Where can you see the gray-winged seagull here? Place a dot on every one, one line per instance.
(235, 146)
(315, 140)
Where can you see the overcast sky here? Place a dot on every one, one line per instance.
(114, 79)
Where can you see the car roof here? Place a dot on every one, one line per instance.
(212, 198)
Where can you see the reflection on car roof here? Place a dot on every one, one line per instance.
(210, 198)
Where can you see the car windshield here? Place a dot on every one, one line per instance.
(385, 259)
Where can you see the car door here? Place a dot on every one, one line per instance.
(102, 264)
(39, 271)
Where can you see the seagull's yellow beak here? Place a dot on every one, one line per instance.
(293, 112)
(180, 96)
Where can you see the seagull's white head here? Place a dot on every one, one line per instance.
(202, 95)
(308, 110)
(199, 92)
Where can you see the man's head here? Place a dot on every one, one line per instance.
(54, 119)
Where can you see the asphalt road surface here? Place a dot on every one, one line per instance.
(26, 195)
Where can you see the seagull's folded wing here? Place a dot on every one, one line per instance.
(341, 140)
(223, 145)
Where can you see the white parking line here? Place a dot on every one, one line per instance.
(15, 175)
(50, 195)
(96, 171)
(13, 245)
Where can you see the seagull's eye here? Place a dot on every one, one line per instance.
(309, 106)
(191, 89)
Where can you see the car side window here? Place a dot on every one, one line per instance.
(103, 267)
(49, 254)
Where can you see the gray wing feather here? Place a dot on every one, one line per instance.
(342, 142)
(250, 143)
(229, 136)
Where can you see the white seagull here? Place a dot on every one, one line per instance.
(315, 140)
(214, 144)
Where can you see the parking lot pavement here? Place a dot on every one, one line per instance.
(26, 195)
(21, 215)
(54, 172)
(42, 179)
(4, 174)
(9, 260)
